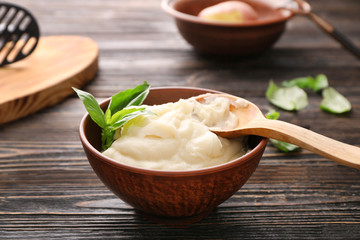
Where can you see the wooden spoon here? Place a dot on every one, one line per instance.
(253, 122)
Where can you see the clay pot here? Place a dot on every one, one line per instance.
(249, 38)
(179, 196)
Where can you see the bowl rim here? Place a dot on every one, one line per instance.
(167, 7)
(168, 173)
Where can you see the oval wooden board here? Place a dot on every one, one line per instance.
(46, 76)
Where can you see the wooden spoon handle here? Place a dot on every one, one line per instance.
(340, 152)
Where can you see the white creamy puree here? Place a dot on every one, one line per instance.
(177, 137)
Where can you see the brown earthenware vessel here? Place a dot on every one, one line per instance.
(173, 196)
(230, 39)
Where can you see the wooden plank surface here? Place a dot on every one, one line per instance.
(49, 191)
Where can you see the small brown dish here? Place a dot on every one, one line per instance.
(171, 197)
(218, 38)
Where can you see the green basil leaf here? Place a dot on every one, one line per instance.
(334, 102)
(316, 84)
(320, 82)
(120, 114)
(92, 106)
(301, 82)
(130, 97)
(287, 98)
(107, 138)
(128, 117)
(272, 114)
(284, 146)
(108, 116)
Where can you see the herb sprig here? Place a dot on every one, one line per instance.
(123, 107)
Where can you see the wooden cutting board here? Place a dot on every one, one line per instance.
(47, 75)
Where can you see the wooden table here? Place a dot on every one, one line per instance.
(48, 189)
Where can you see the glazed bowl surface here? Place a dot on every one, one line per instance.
(250, 38)
(191, 194)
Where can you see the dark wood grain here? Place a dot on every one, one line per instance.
(48, 189)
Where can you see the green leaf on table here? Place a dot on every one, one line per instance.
(334, 102)
(282, 146)
(272, 114)
(316, 84)
(287, 98)
(301, 82)
(92, 106)
(321, 82)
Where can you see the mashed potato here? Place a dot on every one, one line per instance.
(177, 137)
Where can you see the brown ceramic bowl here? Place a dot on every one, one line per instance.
(218, 38)
(177, 194)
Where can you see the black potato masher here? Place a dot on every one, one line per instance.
(19, 33)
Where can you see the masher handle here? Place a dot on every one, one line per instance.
(332, 31)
